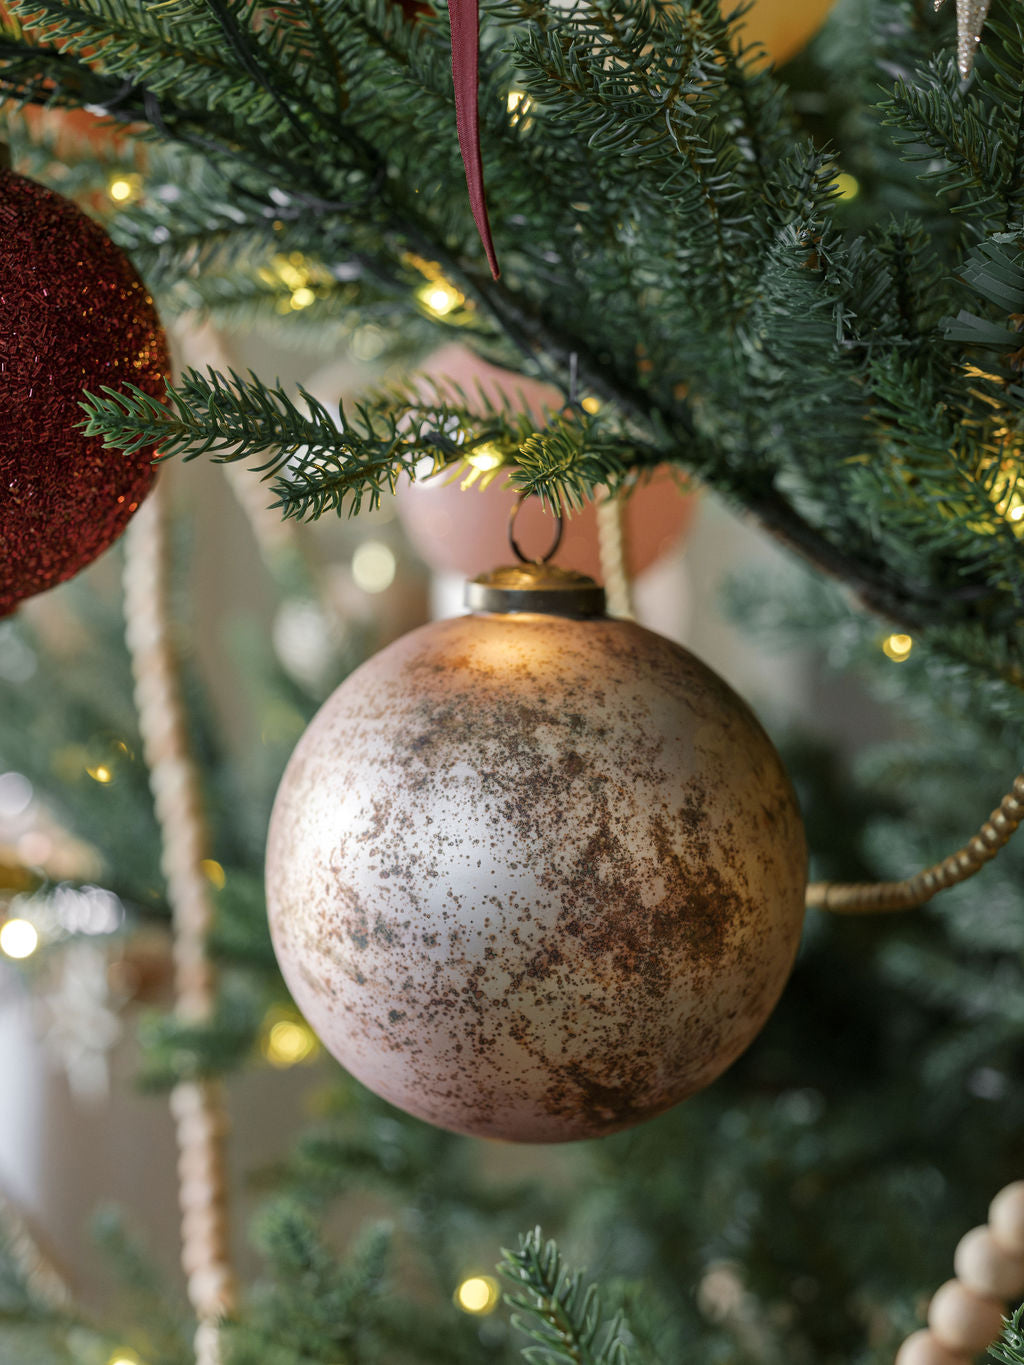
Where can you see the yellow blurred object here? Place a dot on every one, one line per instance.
(125, 188)
(439, 297)
(14, 876)
(897, 647)
(213, 872)
(782, 27)
(287, 1040)
(847, 185)
(478, 1294)
(485, 458)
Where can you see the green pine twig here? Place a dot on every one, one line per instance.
(1010, 1350)
(320, 461)
(557, 1311)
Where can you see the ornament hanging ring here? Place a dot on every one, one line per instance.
(514, 544)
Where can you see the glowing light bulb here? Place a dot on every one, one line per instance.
(478, 1294)
(373, 566)
(518, 102)
(213, 872)
(124, 1357)
(18, 938)
(591, 404)
(124, 188)
(897, 647)
(301, 298)
(99, 772)
(485, 458)
(439, 297)
(287, 1042)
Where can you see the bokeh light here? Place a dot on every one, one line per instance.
(897, 647)
(373, 566)
(478, 1294)
(286, 1040)
(18, 938)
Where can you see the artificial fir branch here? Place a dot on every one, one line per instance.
(666, 223)
(160, 1320)
(318, 460)
(932, 113)
(555, 1309)
(320, 1308)
(1010, 1351)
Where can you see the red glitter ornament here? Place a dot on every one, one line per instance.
(74, 315)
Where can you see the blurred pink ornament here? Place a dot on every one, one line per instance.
(466, 530)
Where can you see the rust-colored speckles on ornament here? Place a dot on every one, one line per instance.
(548, 874)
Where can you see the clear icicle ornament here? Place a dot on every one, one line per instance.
(970, 19)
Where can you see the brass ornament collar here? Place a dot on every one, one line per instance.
(542, 588)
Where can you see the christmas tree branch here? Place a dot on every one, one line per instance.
(716, 342)
(553, 1307)
(1010, 1351)
(320, 461)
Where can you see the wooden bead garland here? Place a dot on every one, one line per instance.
(1006, 1217)
(962, 1320)
(966, 1314)
(197, 1106)
(984, 1266)
(925, 1349)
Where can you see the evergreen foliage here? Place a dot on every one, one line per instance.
(662, 217)
(667, 213)
(554, 1309)
(1010, 1350)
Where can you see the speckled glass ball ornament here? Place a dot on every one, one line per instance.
(533, 873)
(73, 315)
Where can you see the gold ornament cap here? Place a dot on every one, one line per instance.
(542, 588)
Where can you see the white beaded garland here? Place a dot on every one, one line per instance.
(985, 1266)
(1006, 1217)
(923, 1348)
(962, 1320)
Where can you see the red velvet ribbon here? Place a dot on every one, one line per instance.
(465, 22)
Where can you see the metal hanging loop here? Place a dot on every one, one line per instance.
(514, 544)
